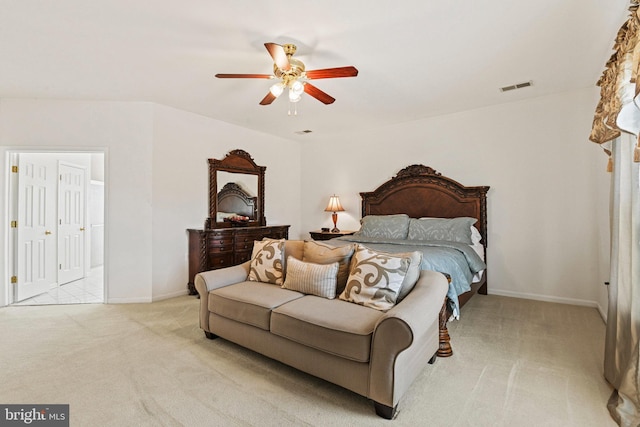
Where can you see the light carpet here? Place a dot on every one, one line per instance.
(516, 363)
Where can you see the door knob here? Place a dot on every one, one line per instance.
(47, 232)
(81, 228)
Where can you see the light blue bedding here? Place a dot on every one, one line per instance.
(458, 260)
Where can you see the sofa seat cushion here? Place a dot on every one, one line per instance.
(334, 326)
(249, 302)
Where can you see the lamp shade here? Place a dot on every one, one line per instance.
(334, 205)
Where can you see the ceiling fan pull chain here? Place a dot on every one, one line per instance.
(295, 108)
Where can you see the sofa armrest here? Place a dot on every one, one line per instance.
(214, 279)
(405, 338)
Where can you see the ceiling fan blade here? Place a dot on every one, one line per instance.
(279, 57)
(318, 94)
(330, 73)
(244, 76)
(268, 99)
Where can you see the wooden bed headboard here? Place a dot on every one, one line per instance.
(420, 191)
(233, 198)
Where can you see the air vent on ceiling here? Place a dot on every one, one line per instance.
(303, 132)
(516, 86)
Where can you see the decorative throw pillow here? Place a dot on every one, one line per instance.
(311, 278)
(323, 253)
(413, 273)
(375, 278)
(450, 229)
(384, 226)
(266, 261)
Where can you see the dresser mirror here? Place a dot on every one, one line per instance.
(236, 192)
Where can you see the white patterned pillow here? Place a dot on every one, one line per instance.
(311, 278)
(266, 261)
(376, 278)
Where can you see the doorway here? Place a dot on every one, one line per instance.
(57, 236)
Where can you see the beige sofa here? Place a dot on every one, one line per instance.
(370, 352)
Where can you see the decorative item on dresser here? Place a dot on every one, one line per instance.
(327, 235)
(236, 216)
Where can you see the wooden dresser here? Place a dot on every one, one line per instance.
(236, 216)
(210, 249)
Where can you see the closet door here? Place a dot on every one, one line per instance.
(71, 223)
(36, 226)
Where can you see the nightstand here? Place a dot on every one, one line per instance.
(328, 235)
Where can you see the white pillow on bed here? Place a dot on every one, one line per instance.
(476, 237)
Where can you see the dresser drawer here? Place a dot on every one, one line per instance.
(219, 242)
(221, 260)
(242, 256)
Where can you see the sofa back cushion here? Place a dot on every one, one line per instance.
(322, 253)
(294, 248)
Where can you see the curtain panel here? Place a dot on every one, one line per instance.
(616, 127)
(622, 351)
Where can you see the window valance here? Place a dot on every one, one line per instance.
(619, 107)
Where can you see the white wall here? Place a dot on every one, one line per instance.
(548, 203)
(546, 206)
(182, 144)
(156, 180)
(123, 130)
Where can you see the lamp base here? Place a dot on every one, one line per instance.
(334, 217)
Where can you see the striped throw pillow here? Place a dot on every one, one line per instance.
(311, 278)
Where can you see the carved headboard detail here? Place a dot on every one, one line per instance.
(420, 191)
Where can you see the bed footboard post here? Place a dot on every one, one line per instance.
(444, 349)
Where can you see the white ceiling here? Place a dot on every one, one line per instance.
(416, 58)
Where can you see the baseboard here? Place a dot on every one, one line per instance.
(173, 294)
(603, 313)
(128, 300)
(538, 297)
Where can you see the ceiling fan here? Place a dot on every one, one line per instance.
(292, 75)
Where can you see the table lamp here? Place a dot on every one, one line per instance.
(335, 207)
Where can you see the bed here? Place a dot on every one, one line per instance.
(433, 208)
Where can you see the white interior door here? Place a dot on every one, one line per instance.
(71, 223)
(36, 226)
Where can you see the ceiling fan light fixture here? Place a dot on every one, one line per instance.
(277, 89)
(293, 97)
(297, 87)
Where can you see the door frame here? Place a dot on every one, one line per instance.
(7, 261)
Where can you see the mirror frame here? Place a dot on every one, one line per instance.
(236, 161)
